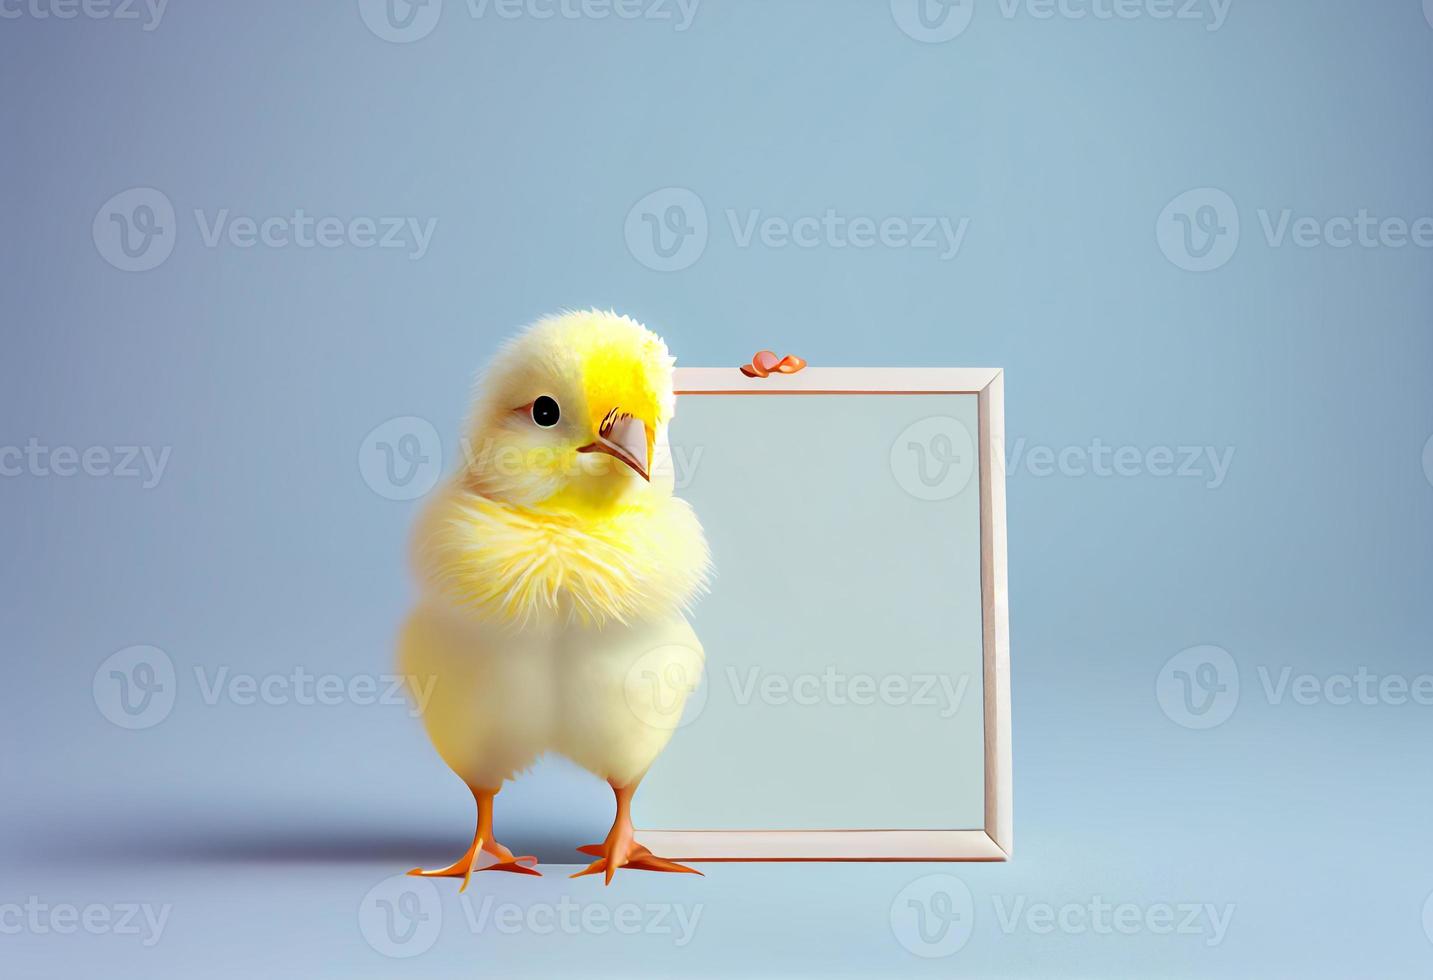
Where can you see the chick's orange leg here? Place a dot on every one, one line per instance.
(620, 850)
(484, 854)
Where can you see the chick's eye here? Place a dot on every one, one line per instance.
(545, 411)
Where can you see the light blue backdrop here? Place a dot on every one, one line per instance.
(822, 146)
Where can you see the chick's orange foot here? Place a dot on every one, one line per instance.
(619, 850)
(633, 856)
(483, 856)
(484, 853)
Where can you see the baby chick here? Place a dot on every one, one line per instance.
(555, 568)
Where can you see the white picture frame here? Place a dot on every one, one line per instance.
(994, 841)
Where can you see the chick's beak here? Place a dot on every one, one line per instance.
(626, 440)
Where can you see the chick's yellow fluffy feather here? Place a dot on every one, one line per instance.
(517, 565)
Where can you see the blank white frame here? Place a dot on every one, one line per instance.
(993, 842)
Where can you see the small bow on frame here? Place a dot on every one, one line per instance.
(765, 362)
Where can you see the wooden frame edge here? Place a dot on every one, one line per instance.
(995, 615)
(836, 381)
(824, 845)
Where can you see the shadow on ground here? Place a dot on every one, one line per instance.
(295, 845)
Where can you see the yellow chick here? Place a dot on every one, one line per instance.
(555, 568)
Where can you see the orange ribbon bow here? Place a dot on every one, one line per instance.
(764, 362)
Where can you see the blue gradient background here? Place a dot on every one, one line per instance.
(529, 140)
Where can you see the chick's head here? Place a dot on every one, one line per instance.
(571, 415)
